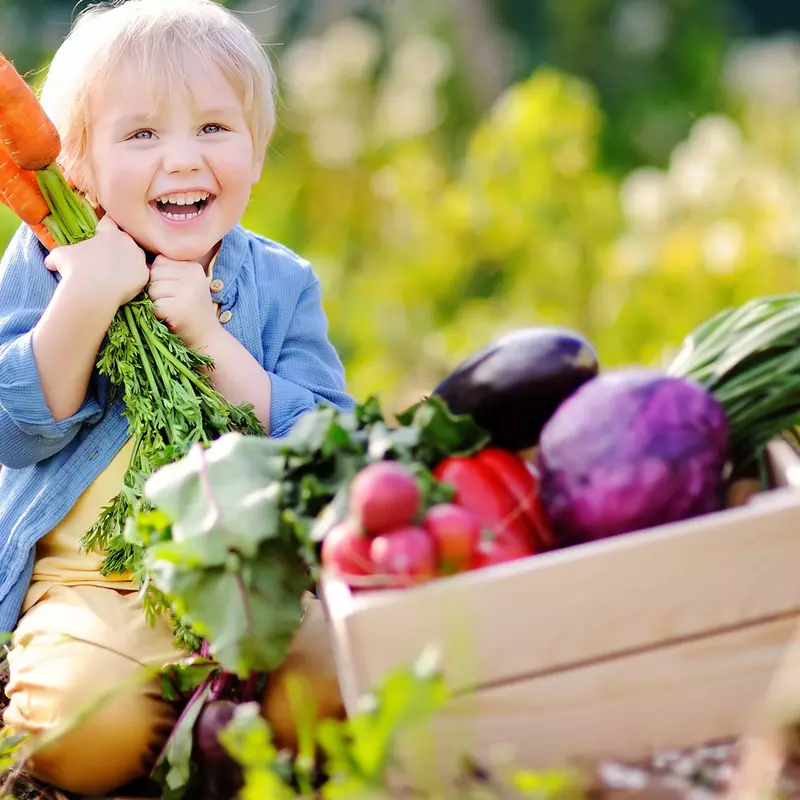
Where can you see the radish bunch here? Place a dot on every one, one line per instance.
(389, 540)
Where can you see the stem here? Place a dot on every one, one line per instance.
(205, 482)
(134, 330)
(155, 344)
(248, 616)
(60, 206)
(249, 688)
(71, 205)
(159, 362)
(196, 697)
(52, 225)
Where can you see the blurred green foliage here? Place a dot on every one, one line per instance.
(626, 188)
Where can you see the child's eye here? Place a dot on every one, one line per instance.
(212, 128)
(142, 135)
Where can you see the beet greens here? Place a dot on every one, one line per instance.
(231, 541)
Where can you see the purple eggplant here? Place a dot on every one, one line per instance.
(513, 386)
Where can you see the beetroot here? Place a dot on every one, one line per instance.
(214, 717)
(384, 495)
(220, 775)
(629, 450)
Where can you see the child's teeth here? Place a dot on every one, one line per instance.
(184, 199)
(181, 217)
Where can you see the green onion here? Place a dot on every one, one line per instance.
(749, 359)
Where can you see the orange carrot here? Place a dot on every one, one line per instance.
(26, 131)
(44, 236)
(21, 189)
(40, 230)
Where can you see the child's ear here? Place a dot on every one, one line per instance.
(258, 166)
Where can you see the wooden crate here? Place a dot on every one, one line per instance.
(658, 639)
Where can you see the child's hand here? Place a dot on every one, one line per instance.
(110, 266)
(182, 299)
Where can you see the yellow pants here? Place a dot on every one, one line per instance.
(78, 641)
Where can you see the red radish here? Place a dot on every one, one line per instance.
(383, 496)
(456, 533)
(345, 550)
(406, 554)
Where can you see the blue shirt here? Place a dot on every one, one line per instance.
(274, 301)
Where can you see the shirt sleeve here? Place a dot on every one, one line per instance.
(28, 432)
(309, 370)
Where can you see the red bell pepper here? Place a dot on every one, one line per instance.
(522, 482)
(500, 491)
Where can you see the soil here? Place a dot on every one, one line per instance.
(700, 773)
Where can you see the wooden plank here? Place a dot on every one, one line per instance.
(579, 604)
(626, 708)
(785, 464)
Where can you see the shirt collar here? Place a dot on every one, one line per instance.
(228, 263)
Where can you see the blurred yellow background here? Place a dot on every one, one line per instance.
(453, 170)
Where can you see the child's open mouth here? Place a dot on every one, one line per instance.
(182, 206)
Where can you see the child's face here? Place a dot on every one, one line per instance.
(176, 176)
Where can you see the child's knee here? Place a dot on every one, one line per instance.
(111, 734)
(105, 751)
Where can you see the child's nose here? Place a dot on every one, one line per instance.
(182, 155)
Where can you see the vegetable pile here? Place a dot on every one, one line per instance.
(614, 452)
(242, 528)
(389, 539)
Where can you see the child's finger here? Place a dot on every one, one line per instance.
(161, 308)
(159, 288)
(166, 272)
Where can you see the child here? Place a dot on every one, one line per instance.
(165, 109)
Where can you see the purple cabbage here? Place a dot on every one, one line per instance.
(631, 449)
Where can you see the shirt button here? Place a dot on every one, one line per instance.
(225, 316)
(217, 285)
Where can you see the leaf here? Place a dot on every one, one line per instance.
(180, 678)
(406, 699)
(229, 488)
(433, 491)
(550, 784)
(147, 527)
(248, 740)
(385, 441)
(442, 433)
(249, 611)
(11, 748)
(369, 412)
(311, 431)
(210, 550)
(174, 769)
(334, 513)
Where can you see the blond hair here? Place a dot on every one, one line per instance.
(159, 37)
